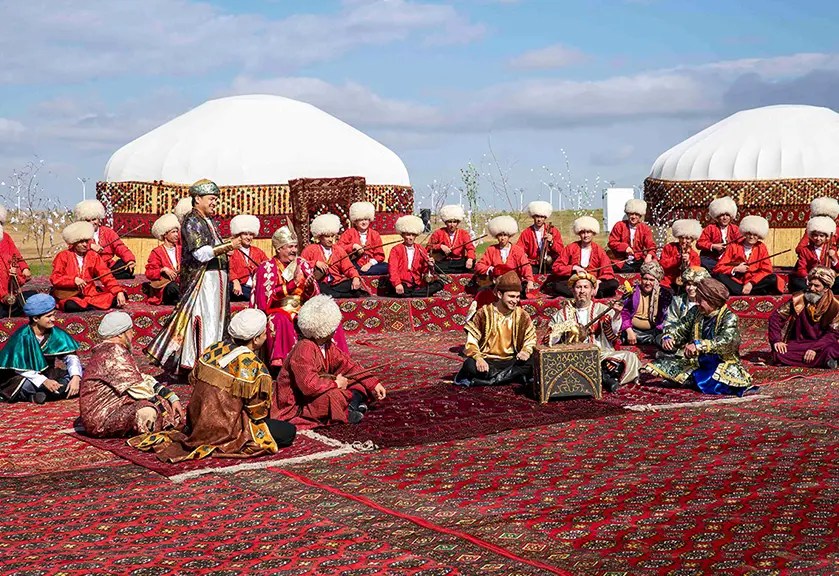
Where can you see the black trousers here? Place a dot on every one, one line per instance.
(606, 289)
(454, 266)
(282, 432)
(708, 263)
(125, 273)
(501, 372)
(797, 284)
(766, 287)
(71, 306)
(246, 294)
(420, 291)
(16, 309)
(171, 294)
(12, 390)
(629, 266)
(341, 290)
(650, 336)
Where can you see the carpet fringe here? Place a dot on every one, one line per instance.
(659, 407)
(322, 439)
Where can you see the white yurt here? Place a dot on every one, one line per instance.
(773, 161)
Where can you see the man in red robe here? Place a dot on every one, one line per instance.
(75, 271)
(245, 260)
(505, 256)
(105, 242)
(319, 384)
(585, 256)
(541, 242)
(745, 268)
(631, 241)
(339, 277)
(14, 273)
(822, 206)
(819, 251)
(716, 235)
(452, 247)
(164, 263)
(365, 244)
(804, 330)
(678, 256)
(410, 268)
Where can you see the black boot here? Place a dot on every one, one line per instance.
(611, 373)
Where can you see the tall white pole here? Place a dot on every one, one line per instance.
(84, 187)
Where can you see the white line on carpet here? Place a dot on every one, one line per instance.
(699, 404)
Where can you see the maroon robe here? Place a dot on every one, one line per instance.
(804, 328)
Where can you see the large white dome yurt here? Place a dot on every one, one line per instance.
(773, 161)
(255, 147)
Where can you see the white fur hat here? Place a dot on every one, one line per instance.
(362, 211)
(822, 224)
(183, 207)
(824, 206)
(319, 317)
(754, 225)
(244, 223)
(247, 324)
(584, 223)
(635, 206)
(452, 212)
(410, 225)
(4, 214)
(325, 224)
(77, 231)
(724, 205)
(540, 208)
(163, 225)
(686, 229)
(502, 225)
(89, 210)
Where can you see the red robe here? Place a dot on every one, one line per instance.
(158, 260)
(516, 260)
(65, 269)
(600, 265)
(372, 249)
(339, 271)
(642, 245)
(398, 266)
(712, 234)
(440, 237)
(308, 400)
(530, 244)
(113, 246)
(7, 250)
(735, 254)
(805, 240)
(241, 268)
(671, 262)
(807, 259)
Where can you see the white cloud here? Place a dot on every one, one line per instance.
(550, 57)
(10, 130)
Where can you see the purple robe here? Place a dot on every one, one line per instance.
(794, 323)
(659, 303)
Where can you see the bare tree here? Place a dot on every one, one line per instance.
(576, 196)
(661, 217)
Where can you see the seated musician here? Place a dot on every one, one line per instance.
(822, 206)
(644, 313)
(281, 285)
(541, 242)
(244, 261)
(505, 256)
(320, 384)
(105, 242)
(745, 267)
(631, 240)
(14, 273)
(27, 362)
(116, 399)
(410, 268)
(451, 246)
(164, 263)
(678, 256)
(364, 243)
(584, 256)
(76, 270)
(680, 304)
(819, 251)
(577, 321)
(182, 208)
(804, 330)
(500, 339)
(339, 277)
(229, 411)
(708, 337)
(716, 235)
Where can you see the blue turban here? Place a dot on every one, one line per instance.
(38, 305)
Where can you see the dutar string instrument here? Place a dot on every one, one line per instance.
(547, 241)
(737, 261)
(439, 255)
(319, 274)
(574, 333)
(64, 293)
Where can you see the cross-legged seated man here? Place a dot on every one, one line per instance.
(364, 243)
(164, 263)
(804, 330)
(631, 240)
(452, 246)
(319, 384)
(709, 337)
(116, 399)
(585, 256)
(745, 267)
(819, 251)
(643, 316)
(500, 339)
(541, 242)
(340, 278)
(105, 242)
(27, 362)
(719, 233)
(410, 268)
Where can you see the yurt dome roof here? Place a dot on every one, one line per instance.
(254, 139)
(769, 143)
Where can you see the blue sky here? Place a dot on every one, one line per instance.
(609, 83)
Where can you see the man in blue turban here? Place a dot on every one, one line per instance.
(27, 361)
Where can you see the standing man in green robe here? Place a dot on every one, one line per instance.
(27, 362)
